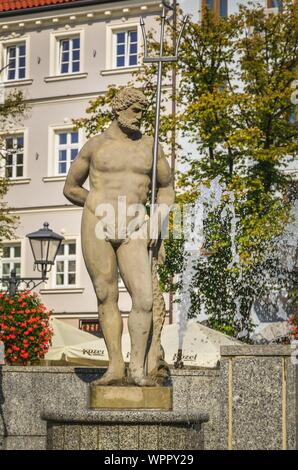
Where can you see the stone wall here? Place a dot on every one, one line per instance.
(258, 398)
(26, 391)
(251, 399)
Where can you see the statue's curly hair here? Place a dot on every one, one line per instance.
(126, 97)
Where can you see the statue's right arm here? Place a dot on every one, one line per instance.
(77, 175)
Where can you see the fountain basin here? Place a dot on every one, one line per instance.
(124, 430)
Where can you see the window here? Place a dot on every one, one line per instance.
(10, 259)
(69, 55)
(66, 150)
(210, 4)
(65, 265)
(14, 156)
(126, 48)
(223, 8)
(91, 326)
(274, 3)
(16, 58)
(219, 7)
(66, 55)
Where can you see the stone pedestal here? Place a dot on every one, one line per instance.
(130, 398)
(125, 430)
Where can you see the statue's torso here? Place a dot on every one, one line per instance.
(119, 168)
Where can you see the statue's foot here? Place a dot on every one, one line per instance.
(144, 381)
(141, 380)
(111, 377)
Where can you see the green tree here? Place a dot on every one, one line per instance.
(234, 106)
(236, 93)
(12, 110)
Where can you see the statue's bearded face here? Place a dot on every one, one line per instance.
(130, 119)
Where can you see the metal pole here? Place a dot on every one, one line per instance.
(173, 143)
(156, 129)
(159, 60)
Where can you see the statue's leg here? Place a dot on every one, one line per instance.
(136, 274)
(101, 263)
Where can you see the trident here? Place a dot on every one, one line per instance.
(159, 60)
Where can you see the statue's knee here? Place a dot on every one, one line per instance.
(106, 293)
(143, 302)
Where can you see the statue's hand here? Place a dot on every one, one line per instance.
(143, 233)
(152, 243)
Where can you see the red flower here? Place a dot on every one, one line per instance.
(22, 334)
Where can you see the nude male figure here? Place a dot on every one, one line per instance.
(119, 163)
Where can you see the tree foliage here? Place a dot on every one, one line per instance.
(12, 110)
(234, 107)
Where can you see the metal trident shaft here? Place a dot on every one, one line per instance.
(159, 60)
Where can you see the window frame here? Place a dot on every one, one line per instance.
(216, 8)
(55, 42)
(92, 322)
(67, 258)
(4, 46)
(111, 34)
(17, 58)
(12, 243)
(126, 44)
(53, 160)
(14, 133)
(70, 51)
(270, 5)
(67, 147)
(15, 164)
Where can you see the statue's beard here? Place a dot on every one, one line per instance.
(127, 125)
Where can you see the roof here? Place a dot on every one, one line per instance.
(8, 5)
(14, 5)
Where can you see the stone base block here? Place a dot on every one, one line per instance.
(125, 430)
(130, 398)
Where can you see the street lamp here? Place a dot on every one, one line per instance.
(44, 245)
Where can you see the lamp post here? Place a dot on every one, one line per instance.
(44, 245)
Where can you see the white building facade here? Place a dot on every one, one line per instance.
(62, 54)
(61, 57)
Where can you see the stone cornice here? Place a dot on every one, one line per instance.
(17, 25)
